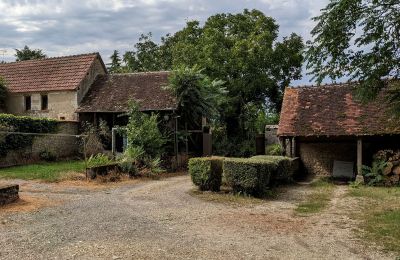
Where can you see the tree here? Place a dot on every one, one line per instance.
(357, 39)
(197, 95)
(115, 65)
(3, 93)
(29, 54)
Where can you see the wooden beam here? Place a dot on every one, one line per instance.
(293, 147)
(359, 160)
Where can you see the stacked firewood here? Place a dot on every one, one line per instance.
(391, 172)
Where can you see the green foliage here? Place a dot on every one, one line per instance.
(98, 160)
(274, 149)
(96, 137)
(47, 156)
(240, 49)
(359, 40)
(29, 54)
(206, 173)
(143, 133)
(3, 93)
(115, 65)
(10, 123)
(285, 167)
(197, 94)
(374, 174)
(248, 176)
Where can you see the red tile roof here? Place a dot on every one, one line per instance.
(332, 110)
(112, 93)
(49, 74)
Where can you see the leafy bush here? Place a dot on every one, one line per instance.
(286, 167)
(374, 174)
(248, 176)
(47, 156)
(22, 124)
(274, 149)
(98, 160)
(206, 173)
(3, 93)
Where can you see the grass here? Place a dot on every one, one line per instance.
(51, 171)
(379, 216)
(318, 199)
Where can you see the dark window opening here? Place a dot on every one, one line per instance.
(45, 102)
(28, 104)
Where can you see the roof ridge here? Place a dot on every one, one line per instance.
(141, 72)
(51, 58)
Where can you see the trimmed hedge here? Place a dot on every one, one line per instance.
(23, 124)
(206, 173)
(286, 166)
(248, 176)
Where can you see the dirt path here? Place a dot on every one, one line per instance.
(161, 220)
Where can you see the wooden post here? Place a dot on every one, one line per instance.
(359, 177)
(290, 147)
(113, 144)
(293, 148)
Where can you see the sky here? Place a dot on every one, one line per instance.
(67, 27)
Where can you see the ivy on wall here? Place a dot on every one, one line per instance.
(22, 124)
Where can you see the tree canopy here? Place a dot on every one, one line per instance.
(3, 93)
(29, 54)
(240, 49)
(358, 39)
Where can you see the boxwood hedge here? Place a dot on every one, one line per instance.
(286, 166)
(206, 173)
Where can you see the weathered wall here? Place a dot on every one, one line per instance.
(61, 105)
(60, 146)
(271, 134)
(318, 158)
(95, 70)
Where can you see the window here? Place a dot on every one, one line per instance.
(28, 103)
(45, 102)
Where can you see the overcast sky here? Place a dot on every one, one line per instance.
(64, 27)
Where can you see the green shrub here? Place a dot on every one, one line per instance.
(98, 160)
(47, 156)
(206, 173)
(248, 176)
(286, 167)
(274, 149)
(23, 124)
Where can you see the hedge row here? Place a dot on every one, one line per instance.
(253, 176)
(24, 124)
(206, 172)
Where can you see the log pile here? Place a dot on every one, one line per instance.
(391, 172)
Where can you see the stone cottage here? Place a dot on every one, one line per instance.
(50, 87)
(327, 126)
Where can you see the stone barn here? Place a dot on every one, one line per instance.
(327, 127)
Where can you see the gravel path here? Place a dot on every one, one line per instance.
(161, 220)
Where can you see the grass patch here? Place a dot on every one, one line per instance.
(51, 171)
(225, 196)
(379, 216)
(318, 199)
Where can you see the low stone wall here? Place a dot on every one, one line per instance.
(317, 158)
(8, 194)
(59, 146)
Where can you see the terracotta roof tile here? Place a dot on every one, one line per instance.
(112, 93)
(49, 74)
(332, 110)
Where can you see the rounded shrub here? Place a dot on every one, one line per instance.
(206, 173)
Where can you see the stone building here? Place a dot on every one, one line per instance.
(327, 125)
(50, 87)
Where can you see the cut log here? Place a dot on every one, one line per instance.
(388, 168)
(397, 162)
(395, 179)
(396, 170)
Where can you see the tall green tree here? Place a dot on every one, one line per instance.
(358, 39)
(3, 93)
(115, 65)
(29, 54)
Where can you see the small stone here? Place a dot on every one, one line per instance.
(116, 257)
(4, 222)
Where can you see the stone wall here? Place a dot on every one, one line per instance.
(271, 134)
(8, 194)
(318, 158)
(59, 146)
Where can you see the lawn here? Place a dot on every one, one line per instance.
(51, 171)
(380, 216)
(318, 199)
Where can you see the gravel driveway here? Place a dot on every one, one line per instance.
(161, 220)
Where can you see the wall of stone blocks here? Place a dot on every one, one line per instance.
(60, 146)
(318, 158)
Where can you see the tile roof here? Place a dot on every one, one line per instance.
(112, 93)
(332, 110)
(49, 74)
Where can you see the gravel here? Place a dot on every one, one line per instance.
(162, 220)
